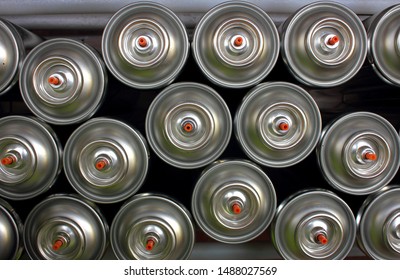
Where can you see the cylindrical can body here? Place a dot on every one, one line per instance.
(314, 224)
(11, 242)
(233, 201)
(30, 157)
(152, 227)
(15, 42)
(106, 160)
(358, 153)
(384, 44)
(324, 44)
(278, 124)
(145, 45)
(378, 224)
(188, 125)
(63, 81)
(236, 44)
(65, 227)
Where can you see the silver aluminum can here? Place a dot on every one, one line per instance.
(278, 124)
(233, 201)
(384, 44)
(63, 81)
(152, 227)
(15, 42)
(324, 44)
(359, 153)
(314, 224)
(11, 229)
(378, 224)
(65, 227)
(30, 157)
(236, 44)
(188, 125)
(145, 45)
(106, 160)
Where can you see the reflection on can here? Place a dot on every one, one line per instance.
(152, 227)
(188, 125)
(278, 124)
(324, 44)
(234, 201)
(314, 224)
(65, 227)
(63, 81)
(106, 160)
(145, 45)
(359, 153)
(11, 229)
(30, 157)
(378, 224)
(236, 44)
(384, 44)
(14, 43)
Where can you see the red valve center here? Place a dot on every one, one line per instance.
(150, 245)
(57, 245)
(371, 156)
(142, 42)
(54, 80)
(284, 126)
(322, 239)
(238, 41)
(101, 164)
(236, 208)
(7, 161)
(333, 40)
(188, 127)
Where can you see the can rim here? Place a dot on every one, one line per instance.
(201, 221)
(82, 190)
(91, 207)
(323, 163)
(50, 135)
(152, 196)
(376, 25)
(153, 143)
(299, 195)
(199, 29)
(97, 63)
(17, 226)
(106, 44)
(288, 58)
(17, 43)
(247, 148)
(369, 203)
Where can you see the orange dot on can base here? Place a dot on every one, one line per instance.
(7, 161)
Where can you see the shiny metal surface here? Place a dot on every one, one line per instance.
(359, 153)
(324, 44)
(63, 81)
(278, 124)
(10, 232)
(30, 156)
(65, 227)
(188, 125)
(14, 43)
(152, 227)
(378, 224)
(145, 45)
(106, 160)
(233, 201)
(384, 44)
(236, 44)
(314, 224)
